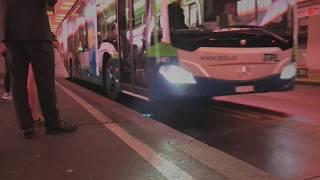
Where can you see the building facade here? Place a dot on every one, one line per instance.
(309, 38)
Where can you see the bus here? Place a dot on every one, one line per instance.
(167, 49)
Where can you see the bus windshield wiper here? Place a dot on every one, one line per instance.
(261, 29)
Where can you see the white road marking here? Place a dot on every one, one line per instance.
(164, 166)
(136, 95)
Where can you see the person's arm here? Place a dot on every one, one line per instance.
(3, 23)
(3, 19)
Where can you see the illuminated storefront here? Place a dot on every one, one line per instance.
(309, 38)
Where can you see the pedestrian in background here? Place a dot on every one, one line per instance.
(176, 15)
(7, 84)
(60, 69)
(25, 33)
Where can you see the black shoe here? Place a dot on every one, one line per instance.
(59, 127)
(29, 133)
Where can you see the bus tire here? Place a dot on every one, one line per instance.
(112, 83)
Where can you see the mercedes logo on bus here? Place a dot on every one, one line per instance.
(243, 42)
(244, 72)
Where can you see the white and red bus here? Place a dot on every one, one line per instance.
(163, 49)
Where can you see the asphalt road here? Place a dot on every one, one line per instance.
(282, 144)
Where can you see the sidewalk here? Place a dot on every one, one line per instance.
(301, 103)
(113, 142)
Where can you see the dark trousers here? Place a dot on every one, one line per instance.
(41, 56)
(7, 83)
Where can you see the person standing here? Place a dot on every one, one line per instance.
(60, 69)
(229, 16)
(26, 32)
(176, 15)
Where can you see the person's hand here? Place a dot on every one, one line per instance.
(3, 48)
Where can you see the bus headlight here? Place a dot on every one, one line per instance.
(289, 71)
(176, 75)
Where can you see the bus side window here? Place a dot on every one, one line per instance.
(228, 16)
(106, 21)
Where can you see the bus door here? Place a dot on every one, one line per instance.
(140, 9)
(125, 42)
(132, 43)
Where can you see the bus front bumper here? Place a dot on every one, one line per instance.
(209, 87)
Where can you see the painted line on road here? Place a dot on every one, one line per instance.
(136, 95)
(164, 166)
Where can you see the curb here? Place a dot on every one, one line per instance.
(312, 82)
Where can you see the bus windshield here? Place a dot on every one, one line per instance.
(271, 19)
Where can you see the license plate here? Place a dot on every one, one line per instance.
(244, 89)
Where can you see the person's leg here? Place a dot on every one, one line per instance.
(42, 61)
(33, 96)
(17, 58)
